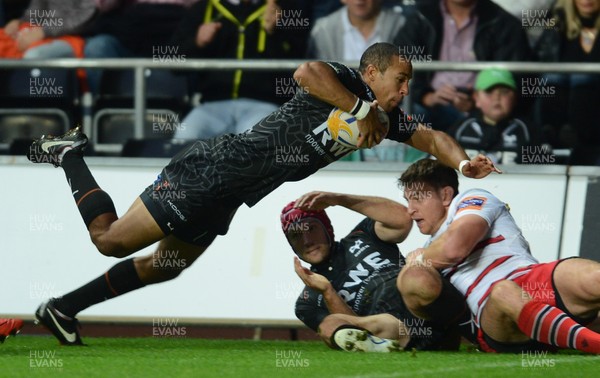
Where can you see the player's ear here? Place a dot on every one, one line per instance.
(371, 72)
(447, 195)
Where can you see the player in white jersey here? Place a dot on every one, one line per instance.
(517, 304)
(502, 250)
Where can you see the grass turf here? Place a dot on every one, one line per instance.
(30, 356)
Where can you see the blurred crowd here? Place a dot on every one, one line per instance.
(513, 117)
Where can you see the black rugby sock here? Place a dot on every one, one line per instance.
(90, 199)
(118, 280)
(448, 308)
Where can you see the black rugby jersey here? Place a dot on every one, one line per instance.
(287, 145)
(363, 270)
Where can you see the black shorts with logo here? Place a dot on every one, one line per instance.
(186, 200)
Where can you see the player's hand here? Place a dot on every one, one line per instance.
(415, 258)
(372, 131)
(311, 279)
(206, 33)
(315, 201)
(479, 167)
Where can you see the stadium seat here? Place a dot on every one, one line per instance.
(113, 120)
(36, 101)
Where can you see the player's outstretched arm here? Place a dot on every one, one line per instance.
(335, 303)
(321, 81)
(392, 221)
(447, 150)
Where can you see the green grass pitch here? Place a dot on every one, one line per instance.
(32, 356)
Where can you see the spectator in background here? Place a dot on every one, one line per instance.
(132, 28)
(345, 35)
(234, 101)
(572, 106)
(49, 28)
(492, 128)
(457, 31)
(531, 13)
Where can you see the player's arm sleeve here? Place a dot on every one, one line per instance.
(310, 308)
(347, 76)
(481, 203)
(402, 126)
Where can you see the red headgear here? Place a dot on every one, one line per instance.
(291, 215)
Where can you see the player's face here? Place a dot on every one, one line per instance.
(495, 104)
(587, 8)
(309, 240)
(391, 86)
(427, 206)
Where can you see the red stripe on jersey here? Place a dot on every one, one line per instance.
(492, 266)
(478, 246)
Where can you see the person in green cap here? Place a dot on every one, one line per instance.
(492, 128)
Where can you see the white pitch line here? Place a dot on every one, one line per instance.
(413, 373)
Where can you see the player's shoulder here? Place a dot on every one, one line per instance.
(475, 199)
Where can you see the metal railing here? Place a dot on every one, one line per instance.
(139, 65)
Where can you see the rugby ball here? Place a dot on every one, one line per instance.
(343, 126)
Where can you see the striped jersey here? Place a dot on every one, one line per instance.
(503, 253)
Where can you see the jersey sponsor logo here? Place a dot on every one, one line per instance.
(471, 203)
(360, 274)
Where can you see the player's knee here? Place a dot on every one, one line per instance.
(507, 297)
(592, 285)
(419, 286)
(108, 247)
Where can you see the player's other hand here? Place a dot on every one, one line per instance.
(479, 167)
(372, 131)
(315, 201)
(311, 279)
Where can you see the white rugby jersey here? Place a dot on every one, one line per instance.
(499, 254)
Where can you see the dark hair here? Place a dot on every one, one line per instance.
(380, 55)
(430, 172)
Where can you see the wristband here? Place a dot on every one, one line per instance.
(356, 106)
(363, 110)
(461, 166)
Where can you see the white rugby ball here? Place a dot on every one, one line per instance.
(343, 126)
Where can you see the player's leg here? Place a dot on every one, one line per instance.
(373, 333)
(577, 282)
(513, 315)
(429, 296)
(171, 257)
(113, 236)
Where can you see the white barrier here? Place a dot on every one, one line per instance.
(247, 274)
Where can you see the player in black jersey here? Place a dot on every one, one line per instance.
(196, 195)
(351, 298)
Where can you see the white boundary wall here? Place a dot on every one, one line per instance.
(248, 274)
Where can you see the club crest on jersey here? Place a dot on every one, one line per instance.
(471, 203)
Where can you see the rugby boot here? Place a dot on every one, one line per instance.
(64, 328)
(49, 149)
